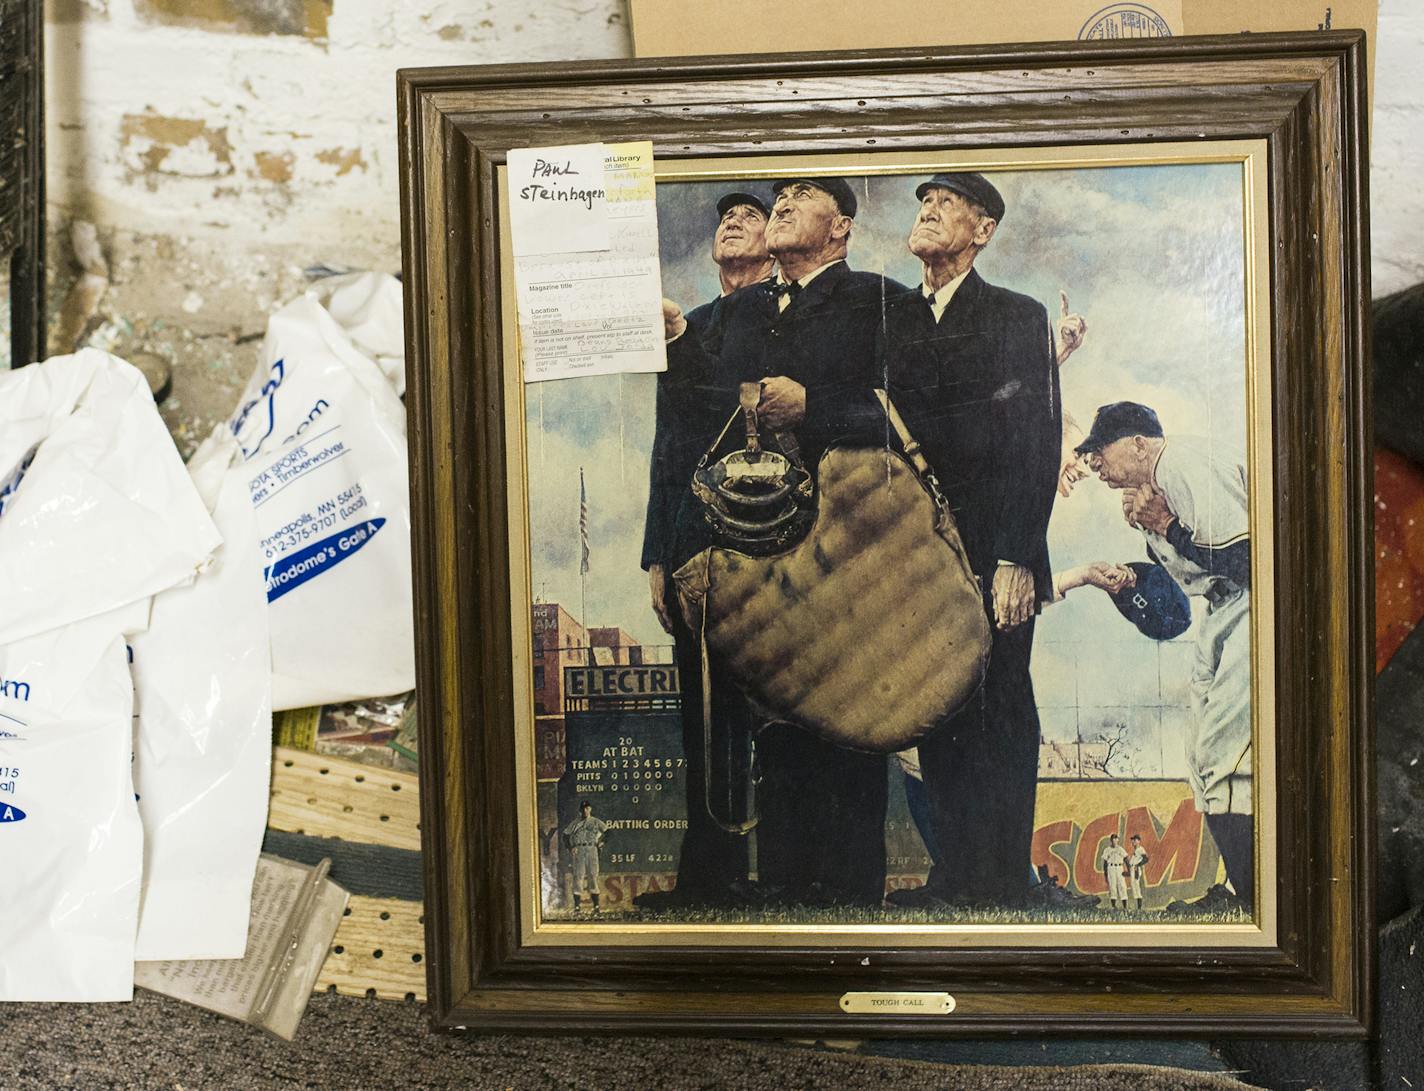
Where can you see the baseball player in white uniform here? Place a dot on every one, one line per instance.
(1188, 496)
(1112, 861)
(584, 836)
(1136, 863)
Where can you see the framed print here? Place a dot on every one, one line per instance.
(893, 539)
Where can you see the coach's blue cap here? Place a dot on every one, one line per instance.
(1156, 605)
(970, 186)
(738, 197)
(838, 188)
(1117, 420)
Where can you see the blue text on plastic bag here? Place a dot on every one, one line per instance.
(292, 571)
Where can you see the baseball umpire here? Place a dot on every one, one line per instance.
(713, 863)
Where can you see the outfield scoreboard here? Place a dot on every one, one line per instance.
(623, 738)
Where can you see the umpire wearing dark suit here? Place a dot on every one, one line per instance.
(739, 251)
(713, 863)
(810, 340)
(971, 368)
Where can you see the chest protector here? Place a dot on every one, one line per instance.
(867, 631)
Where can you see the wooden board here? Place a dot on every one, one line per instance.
(328, 797)
(378, 951)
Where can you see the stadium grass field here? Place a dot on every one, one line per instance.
(792, 915)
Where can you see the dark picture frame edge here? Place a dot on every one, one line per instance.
(1305, 95)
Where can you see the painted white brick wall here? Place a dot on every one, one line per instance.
(1397, 157)
(251, 101)
(260, 98)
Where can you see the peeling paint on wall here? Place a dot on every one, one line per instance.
(269, 122)
(274, 166)
(73, 11)
(188, 147)
(343, 159)
(307, 18)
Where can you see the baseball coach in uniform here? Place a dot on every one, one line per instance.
(1189, 495)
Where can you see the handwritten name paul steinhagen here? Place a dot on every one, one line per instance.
(555, 189)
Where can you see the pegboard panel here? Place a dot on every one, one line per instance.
(378, 950)
(330, 797)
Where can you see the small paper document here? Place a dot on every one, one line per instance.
(295, 910)
(584, 225)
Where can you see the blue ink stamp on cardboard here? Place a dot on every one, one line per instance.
(1124, 20)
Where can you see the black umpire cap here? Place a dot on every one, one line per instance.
(1156, 605)
(970, 186)
(731, 200)
(1117, 420)
(838, 188)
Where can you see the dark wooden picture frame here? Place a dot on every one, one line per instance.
(1304, 95)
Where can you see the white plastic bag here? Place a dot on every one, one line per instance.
(370, 309)
(321, 453)
(70, 836)
(98, 514)
(202, 761)
(96, 508)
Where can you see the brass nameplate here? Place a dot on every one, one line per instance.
(897, 1003)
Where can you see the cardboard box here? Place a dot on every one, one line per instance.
(668, 28)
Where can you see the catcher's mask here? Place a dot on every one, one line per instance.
(756, 501)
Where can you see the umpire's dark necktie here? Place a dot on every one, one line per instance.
(780, 289)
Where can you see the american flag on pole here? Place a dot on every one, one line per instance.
(583, 524)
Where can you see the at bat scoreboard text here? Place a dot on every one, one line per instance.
(623, 736)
